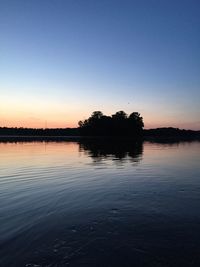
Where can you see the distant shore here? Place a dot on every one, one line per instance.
(74, 134)
(20, 138)
(37, 138)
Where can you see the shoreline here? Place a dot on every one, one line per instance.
(32, 138)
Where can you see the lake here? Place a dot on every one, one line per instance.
(99, 203)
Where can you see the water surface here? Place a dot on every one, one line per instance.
(99, 204)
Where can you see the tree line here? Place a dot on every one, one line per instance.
(14, 131)
(118, 124)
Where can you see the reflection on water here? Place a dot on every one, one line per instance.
(100, 149)
(99, 203)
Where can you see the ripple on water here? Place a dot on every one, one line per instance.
(62, 205)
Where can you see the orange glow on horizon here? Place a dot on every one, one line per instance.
(33, 113)
(39, 123)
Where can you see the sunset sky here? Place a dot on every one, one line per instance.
(62, 59)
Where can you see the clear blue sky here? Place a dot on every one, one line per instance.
(61, 60)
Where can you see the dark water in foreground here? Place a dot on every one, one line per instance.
(99, 204)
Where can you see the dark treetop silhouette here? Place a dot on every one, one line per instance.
(119, 124)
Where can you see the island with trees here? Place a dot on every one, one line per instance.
(118, 125)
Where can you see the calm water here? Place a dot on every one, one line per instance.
(99, 204)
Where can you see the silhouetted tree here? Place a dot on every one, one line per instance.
(136, 124)
(119, 115)
(97, 115)
(119, 124)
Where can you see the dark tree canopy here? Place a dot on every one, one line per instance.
(119, 115)
(118, 124)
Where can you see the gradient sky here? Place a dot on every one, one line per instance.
(62, 59)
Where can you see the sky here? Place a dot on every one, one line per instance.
(60, 60)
